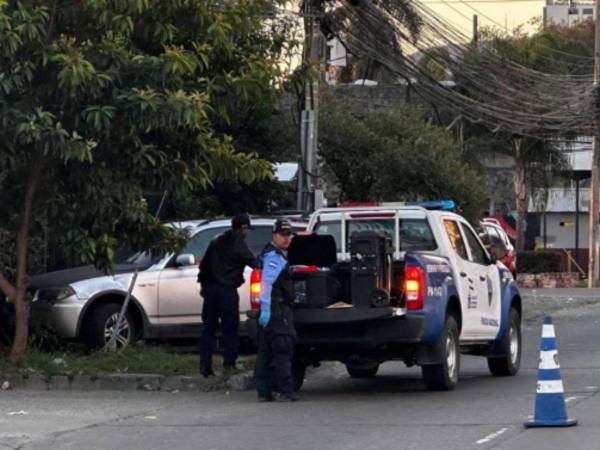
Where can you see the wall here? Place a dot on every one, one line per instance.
(560, 236)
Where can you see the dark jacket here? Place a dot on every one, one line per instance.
(225, 259)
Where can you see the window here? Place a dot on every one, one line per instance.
(477, 252)
(415, 234)
(588, 11)
(456, 239)
(382, 226)
(332, 228)
(136, 259)
(498, 234)
(198, 244)
(258, 238)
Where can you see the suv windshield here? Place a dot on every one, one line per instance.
(415, 234)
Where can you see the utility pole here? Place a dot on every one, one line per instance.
(595, 182)
(313, 56)
(475, 28)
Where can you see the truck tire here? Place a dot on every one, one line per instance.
(509, 364)
(298, 375)
(444, 376)
(98, 327)
(362, 371)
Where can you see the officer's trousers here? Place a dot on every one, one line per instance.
(220, 302)
(273, 370)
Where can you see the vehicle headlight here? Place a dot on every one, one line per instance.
(55, 294)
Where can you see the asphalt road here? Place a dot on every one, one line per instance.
(391, 411)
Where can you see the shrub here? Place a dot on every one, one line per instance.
(539, 262)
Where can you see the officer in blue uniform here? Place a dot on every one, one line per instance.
(276, 331)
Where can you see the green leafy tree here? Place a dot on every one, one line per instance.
(100, 100)
(395, 156)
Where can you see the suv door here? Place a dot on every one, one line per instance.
(179, 300)
(488, 281)
(470, 288)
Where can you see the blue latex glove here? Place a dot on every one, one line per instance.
(264, 318)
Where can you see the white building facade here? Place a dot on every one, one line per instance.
(568, 13)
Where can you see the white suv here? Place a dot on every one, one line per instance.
(83, 304)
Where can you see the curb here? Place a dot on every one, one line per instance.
(112, 382)
(127, 382)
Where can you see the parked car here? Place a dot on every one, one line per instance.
(495, 231)
(83, 303)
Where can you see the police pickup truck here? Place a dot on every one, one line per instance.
(402, 282)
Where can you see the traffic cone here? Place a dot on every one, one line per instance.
(550, 409)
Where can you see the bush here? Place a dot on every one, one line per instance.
(539, 262)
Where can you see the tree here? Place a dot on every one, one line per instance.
(394, 156)
(100, 100)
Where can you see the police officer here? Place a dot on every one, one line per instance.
(221, 273)
(276, 323)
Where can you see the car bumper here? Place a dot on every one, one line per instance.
(352, 328)
(352, 331)
(62, 316)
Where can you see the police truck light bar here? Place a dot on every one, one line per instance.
(446, 205)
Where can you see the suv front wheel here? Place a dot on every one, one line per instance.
(100, 325)
(508, 365)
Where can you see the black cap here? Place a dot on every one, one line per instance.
(282, 226)
(239, 220)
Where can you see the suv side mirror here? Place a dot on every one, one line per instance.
(185, 260)
(495, 246)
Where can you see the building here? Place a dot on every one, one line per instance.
(567, 13)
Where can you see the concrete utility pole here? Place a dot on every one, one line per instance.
(313, 55)
(595, 182)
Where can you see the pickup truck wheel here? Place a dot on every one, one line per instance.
(100, 325)
(362, 371)
(298, 374)
(444, 376)
(509, 364)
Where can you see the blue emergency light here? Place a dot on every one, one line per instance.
(446, 205)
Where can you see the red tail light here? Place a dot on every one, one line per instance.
(255, 288)
(414, 287)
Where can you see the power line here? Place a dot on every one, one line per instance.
(495, 91)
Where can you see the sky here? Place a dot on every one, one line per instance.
(498, 13)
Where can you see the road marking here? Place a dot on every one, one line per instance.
(591, 387)
(489, 437)
(570, 399)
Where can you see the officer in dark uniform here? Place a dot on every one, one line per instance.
(276, 331)
(221, 273)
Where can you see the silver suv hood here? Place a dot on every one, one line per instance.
(61, 278)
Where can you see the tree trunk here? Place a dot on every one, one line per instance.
(21, 300)
(520, 190)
